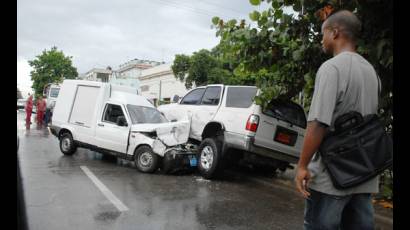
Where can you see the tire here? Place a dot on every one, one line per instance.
(210, 158)
(146, 160)
(67, 145)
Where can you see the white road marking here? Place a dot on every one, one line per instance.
(107, 193)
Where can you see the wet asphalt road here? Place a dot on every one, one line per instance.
(59, 195)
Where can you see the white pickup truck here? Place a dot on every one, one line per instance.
(229, 126)
(114, 120)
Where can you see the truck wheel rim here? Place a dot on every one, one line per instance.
(145, 159)
(207, 157)
(66, 144)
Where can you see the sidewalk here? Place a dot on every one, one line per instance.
(383, 216)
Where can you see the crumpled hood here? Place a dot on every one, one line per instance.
(170, 133)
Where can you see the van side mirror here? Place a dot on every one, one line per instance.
(175, 99)
(121, 121)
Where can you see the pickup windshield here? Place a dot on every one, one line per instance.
(287, 111)
(142, 114)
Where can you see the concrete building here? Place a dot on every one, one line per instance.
(97, 74)
(159, 83)
(128, 73)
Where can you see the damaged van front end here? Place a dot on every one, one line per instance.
(167, 140)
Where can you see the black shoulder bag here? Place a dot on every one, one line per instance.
(357, 150)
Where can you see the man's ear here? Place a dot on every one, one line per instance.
(335, 33)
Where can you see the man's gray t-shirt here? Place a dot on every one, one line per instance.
(346, 82)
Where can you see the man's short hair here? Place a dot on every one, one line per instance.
(346, 22)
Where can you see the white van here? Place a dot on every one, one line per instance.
(114, 120)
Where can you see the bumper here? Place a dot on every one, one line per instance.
(246, 143)
(55, 130)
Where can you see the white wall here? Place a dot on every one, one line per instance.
(170, 86)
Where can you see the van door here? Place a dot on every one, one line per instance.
(82, 114)
(109, 135)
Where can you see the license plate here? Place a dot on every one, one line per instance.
(192, 161)
(285, 136)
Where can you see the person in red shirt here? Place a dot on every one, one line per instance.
(29, 109)
(41, 108)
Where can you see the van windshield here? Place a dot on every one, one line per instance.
(54, 92)
(142, 114)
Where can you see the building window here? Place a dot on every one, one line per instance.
(144, 88)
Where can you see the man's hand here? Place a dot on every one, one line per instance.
(302, 179)
(315, 132)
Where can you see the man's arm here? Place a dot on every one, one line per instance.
(313, 138)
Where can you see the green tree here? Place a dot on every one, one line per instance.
(49, 67)
(206, 67)
(198, 68)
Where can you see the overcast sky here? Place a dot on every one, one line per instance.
(99, 33)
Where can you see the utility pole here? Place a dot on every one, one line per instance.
(159, 97)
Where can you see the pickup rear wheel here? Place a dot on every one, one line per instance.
(67, 145)
(209, 158)
(145, 159)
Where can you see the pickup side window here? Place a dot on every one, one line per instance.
(240, 97)
(211, 95)
(112, 112)
(194, 97)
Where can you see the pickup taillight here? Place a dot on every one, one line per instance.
(252, 123)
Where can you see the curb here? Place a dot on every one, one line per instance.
(289, 186)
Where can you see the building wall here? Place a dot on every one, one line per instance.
(151, 79)
(128, 73)
(134, 83)
(98, 75)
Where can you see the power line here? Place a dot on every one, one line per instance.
(222, 6)
(178, 5)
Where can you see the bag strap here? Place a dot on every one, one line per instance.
(379, 85)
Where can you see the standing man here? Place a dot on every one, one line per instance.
(41, 108)
(346, 82)
(29, 109)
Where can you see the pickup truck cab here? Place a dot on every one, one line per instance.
(114, 120)
(225, 119)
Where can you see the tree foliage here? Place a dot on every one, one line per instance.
(282, 53)
(203, 67)
(49, 67)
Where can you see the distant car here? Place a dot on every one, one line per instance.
(21, 103)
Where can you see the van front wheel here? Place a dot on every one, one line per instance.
(146, 160)
(67, 145)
